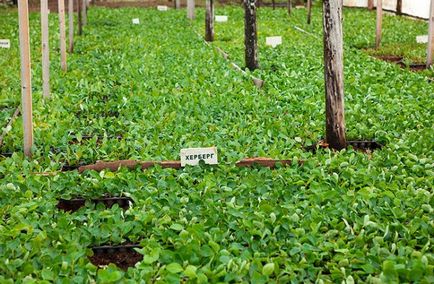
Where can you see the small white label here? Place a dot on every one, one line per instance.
(273, 41)
(221, 19)
(136, 21)
(5, 43)
(192, 156)
(300, 7)
(162, 8)
(422, 39)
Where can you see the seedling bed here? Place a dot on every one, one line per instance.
(98, 138)
(360, 145)
(75, 204)
(263, 162)
(123, 256)
(130, 164)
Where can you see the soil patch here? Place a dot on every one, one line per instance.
(75, 204)
(123, 256)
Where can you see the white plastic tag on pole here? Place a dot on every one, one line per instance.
(162, 8)
(422, 39)
(273, 41)
(192, 156)
(5, 43)
(221, 19)
(136, 21)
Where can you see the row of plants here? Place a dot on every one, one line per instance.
(146, 91)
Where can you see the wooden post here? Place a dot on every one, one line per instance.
(63, 63)
(274, 4)
(71, 25)
(379, 23)
(209, 21)
(80, 18)
(26, 81)
(309, 11)
(84, 11)
(289, 7)
(45, 50)
(250, 35)
(371, 4)
(430, 36)
(178, 4)
(399, 7)
(190, 9)
(334, 74)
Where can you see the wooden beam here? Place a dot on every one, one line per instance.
(309, 11)
(45, 50)
(26, 81)
(62, 32)
(379, 23)
(71, 25)
(209, 20)
(334, 74)
(431, 36)
(250, 35)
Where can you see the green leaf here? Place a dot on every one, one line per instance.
(109, 276)
(268, 269)
(174, 268)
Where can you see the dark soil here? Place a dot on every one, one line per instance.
(359, 145)
(75, 204)
(390, 58)
(122, 256)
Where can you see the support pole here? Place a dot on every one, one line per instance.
(309, 11)
(63, 63)
(177, 4)
(26, 82)
(274, 4)
(209, 21)
(190, 9)
(379, 23)
(84, 11)
(289, 6)
(71, 25)
(334, 74)
(399, 7)
(250, 35)
(371, 4)
(430, 36)
(45, 50)
(80, 18)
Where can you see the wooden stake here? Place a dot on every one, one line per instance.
(431, 36)
(250, 35)
(371, 4)
(26, 81)
(45, 50)
(289, 5)
(309, 11)
(63, 63)
(84, 8)
(80, 18)
(399, 7)
(274, 4)
(71, 25)
(190, 9)
(379, 23)
(177, 4)
(334, 74)
(209, 21)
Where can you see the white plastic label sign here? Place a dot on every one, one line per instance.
(422, 39)
(5, 43)
(162, 8)
(136, 21)
(273, 41)
(192, 156)
(221, 19)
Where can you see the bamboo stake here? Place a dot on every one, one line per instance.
(63, 63)
(26, 81)
(45, 50)
(334, 74)
(379, 23)
(430, 36)
(71, 25)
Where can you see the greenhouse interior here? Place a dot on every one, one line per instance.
(217, 141)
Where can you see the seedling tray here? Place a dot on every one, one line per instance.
(123, 256)
(74, 204)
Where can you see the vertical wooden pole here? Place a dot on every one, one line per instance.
(309, 11)
(63, 63)
(190, 9)
(209, 21)
(80, 18)
(84, 8)
(289, 7)
(430, 53)
(178, 4)
(371, 4)
(334, 74)
(45, 50)
(399, 7)
(250, 35)
(26, 81)
(379, 23)
(274, 4)
(71, 25)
